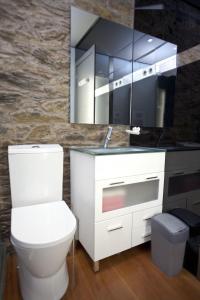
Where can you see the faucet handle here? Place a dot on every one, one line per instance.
(135, 131)
(108, 137)
(109, 133)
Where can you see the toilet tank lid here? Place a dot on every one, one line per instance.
(35, 148)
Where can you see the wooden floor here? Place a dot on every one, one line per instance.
(126, 276)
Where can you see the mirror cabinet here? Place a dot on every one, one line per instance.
(132, 75)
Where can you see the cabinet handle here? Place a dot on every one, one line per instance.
(153, 177)
(178, 173)
(119, 182)
(115, 227)
(147, 218)
(197, 203)
(146, 235)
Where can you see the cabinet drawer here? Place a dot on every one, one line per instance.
(112, 236)
(174, 202)
(143, 217)
(179, 160)
(141, 235)
(113, 166)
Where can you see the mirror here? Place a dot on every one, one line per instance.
(120, 75)
(101, 70)
(166, 60)
(154, 67)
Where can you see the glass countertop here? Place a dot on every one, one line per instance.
(116, 150)
(179, 148)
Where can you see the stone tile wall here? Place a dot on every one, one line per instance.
(34, 82)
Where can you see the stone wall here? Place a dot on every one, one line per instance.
(34, 82)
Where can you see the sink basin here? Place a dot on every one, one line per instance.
(116, 150)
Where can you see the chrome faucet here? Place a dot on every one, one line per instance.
(108, 137)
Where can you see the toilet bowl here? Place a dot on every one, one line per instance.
(42, 225)
(42, 235)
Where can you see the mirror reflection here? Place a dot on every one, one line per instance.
(101, 68)
(120, 75)
(154, 65)
(154, 77)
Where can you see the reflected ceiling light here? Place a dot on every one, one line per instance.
(83, 82)
(151, 7)
(150, 40)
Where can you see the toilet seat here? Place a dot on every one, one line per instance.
(42, 225)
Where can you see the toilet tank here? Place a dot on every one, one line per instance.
(36, 174)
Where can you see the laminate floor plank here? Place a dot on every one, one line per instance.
(130, 275)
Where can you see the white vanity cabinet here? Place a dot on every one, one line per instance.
(114, 198)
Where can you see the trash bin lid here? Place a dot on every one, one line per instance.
(171, 227)
(189, 218)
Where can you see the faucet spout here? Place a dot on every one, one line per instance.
(108, 137)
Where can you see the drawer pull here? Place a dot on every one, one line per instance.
(119, 182)
(115, 227)
(197, 203)
(153, 177)
(146, 235)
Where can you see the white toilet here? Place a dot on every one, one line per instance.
(42, 225)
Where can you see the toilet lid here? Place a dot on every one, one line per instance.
(42, 225)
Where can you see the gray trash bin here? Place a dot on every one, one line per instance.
(168, 240)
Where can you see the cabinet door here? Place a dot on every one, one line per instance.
(183, 182)
(112, 236)
(182, 189)
(193, 202)
(141, 231)
(141, 235)
(121, 196)
(143, 217)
